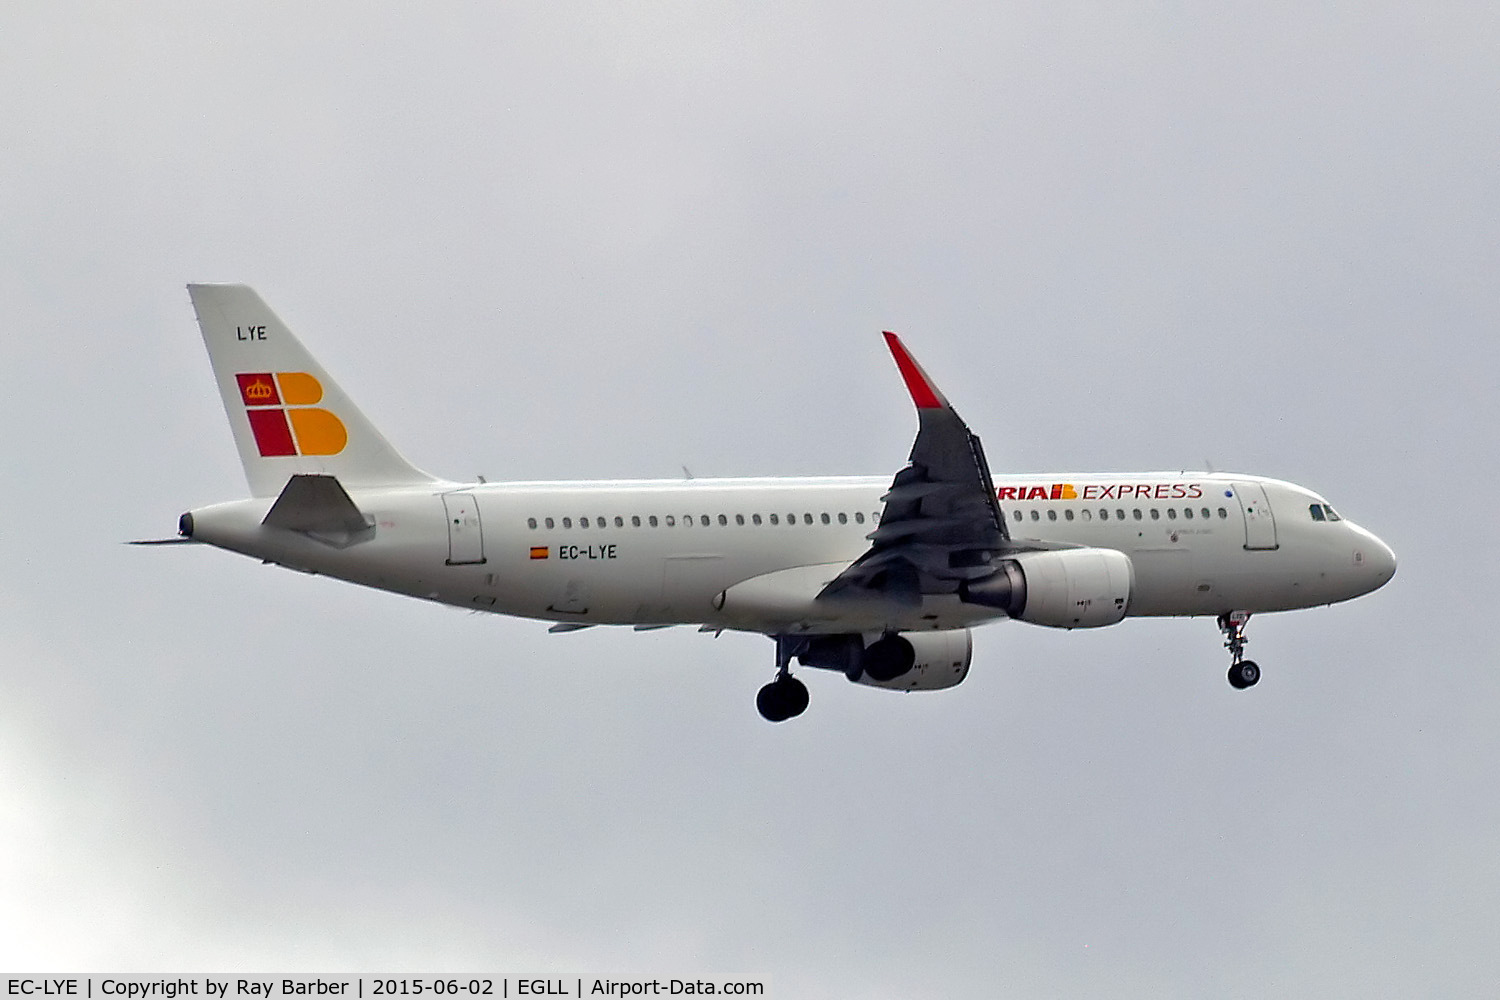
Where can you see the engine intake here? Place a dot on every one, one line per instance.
(912, 661)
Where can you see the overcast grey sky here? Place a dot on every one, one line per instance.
(598, 240)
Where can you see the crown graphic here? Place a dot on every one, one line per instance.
(259, 390)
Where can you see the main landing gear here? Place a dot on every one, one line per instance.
(1243, 673)
(785, 697)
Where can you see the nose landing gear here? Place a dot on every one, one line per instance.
(1243, 673)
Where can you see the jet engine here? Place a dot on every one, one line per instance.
(909, 661)
(1068, 588)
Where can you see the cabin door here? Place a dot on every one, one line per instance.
(465, 532)
(1260, 523)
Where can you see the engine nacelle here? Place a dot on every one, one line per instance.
(1068, 588)
(908, 661)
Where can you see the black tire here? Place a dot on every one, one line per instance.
(1249, 672)
(771, 701)
(782, 699)
(1244, 674)
(794, 696)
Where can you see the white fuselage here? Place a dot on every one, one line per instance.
(664, 552)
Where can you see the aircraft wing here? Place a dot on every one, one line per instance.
(941, 525)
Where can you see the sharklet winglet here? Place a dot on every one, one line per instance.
(924, 393)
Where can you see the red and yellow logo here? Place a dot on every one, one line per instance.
(283, 417)
(1058, 491)
(1102, 491)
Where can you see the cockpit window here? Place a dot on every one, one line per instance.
(1323, 512)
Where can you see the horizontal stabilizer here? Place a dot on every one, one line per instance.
(316, 504)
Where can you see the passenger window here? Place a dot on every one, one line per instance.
(567, 522)
(1119, 515)
(1069, 514)
(1051, 514)
(619, 522)
(791, 519)
(755, 519)
(1223, 513)
(1087, 515)
(635, 520)
(703, 520)
(1171, 513)
(843, 519)
(583, 522)
(1103, 513)
(807, 519)
(1205, 513)
(550, 523)
(651, 520)
(671, 521)
(1187, 512)
(1016, 515)
(859, 517)
(739, 519)
(1136, 513)
(1155, 514)
(826, 519)
(531, 522)
(773, 519)
(1036, 515)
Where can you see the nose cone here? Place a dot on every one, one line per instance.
(1381, 560)
(1373, 560)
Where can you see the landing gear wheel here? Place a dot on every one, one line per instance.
(782, 699)
(796, 696)
(1244, 674)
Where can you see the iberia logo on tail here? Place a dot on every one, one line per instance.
(283, 417)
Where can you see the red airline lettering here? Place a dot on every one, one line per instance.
(1102, 491)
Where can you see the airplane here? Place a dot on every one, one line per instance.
(881, 578)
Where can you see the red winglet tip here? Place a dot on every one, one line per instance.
(923, 393)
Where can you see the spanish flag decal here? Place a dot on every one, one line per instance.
(539, 551)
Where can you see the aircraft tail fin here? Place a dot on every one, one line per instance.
(288, 416)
